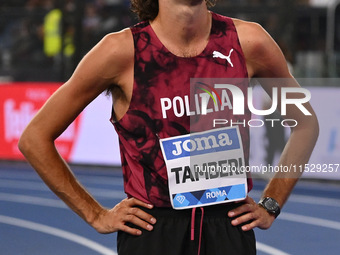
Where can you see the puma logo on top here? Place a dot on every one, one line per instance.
(217, 54)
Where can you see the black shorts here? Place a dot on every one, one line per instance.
(204, 231)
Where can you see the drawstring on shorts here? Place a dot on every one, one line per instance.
(193, 216)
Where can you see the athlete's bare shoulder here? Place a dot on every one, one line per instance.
(112, 56)
(264, 57)
(118, 44)
(251, 34)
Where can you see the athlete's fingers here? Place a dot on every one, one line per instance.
(251, 225)
(241, 209)
(126, 211)
(138, 222)
(264, 221)
(256, 218)
(244, 218)
(132, 202)
(141, 214)
(247, 206)
(136, 202)
(131, 231)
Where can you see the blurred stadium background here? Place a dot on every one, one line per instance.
(41, 42)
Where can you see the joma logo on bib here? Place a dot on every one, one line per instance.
(201, 143)
(198, 144)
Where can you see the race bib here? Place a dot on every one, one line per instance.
(205, 168)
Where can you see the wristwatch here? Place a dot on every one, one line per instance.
(271, 205)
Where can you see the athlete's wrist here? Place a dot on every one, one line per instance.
(95, 219)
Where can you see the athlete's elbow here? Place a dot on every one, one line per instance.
(313, 125)
(310, 127)
(24, 143)
(28, 142)
(315, 128)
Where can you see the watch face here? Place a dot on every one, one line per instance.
(271, 205)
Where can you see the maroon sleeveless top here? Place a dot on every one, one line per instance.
(159, 109)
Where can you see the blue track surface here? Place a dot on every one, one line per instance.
(33, 221)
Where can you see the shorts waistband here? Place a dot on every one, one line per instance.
(209, 211)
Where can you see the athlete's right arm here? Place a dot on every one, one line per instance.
(109, 62)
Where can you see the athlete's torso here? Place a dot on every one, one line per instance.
(160, 106)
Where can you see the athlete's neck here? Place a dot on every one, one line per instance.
(183, 26)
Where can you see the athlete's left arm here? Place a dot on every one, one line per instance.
(265, 59)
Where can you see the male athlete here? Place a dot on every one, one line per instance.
(147, 68)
